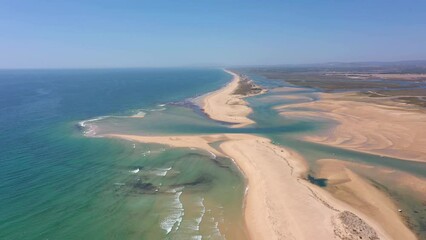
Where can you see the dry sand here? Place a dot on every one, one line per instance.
(279, 203)
(184, 141)
(223, 105)
(366, 125)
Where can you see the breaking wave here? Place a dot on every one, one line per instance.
(174, 219)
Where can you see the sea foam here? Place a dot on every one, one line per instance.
(174, 219)
(88, 128)
(199, 219)
(160, 171)
(157, 109)
(213, 156)
(139, 114)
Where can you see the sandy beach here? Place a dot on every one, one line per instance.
(279, 202)
(223, 105)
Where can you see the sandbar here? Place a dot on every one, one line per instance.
(364, 124)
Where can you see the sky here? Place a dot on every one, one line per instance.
(113, 33)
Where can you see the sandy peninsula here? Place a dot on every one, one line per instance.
(223, 105)
(279, 203)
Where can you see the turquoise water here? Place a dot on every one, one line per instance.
(57, 184)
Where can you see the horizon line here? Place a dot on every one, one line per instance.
(217, 65)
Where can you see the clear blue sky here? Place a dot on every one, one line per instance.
(104, 33)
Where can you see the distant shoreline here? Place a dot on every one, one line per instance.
(223, 105)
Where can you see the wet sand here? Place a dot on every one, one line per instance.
(351, 188)
(279, 203)
(366, 124)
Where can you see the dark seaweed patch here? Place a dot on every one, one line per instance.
(191, 155)
(220, 163)
(202, 180)
(144, 187)
(322, 182)
(137, 167)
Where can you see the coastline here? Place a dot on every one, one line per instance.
(271, 173)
